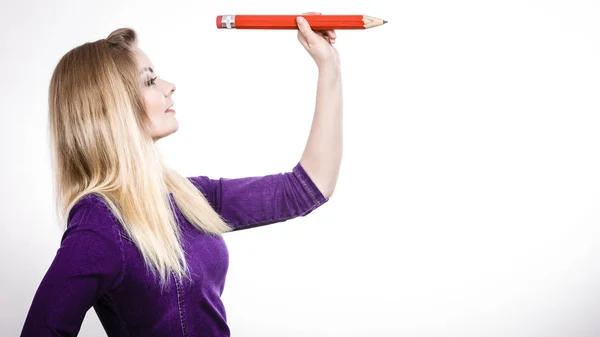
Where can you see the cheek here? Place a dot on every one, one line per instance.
(154, 104)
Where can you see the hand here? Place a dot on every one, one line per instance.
(319, 44)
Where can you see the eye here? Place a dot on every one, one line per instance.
(151, 81)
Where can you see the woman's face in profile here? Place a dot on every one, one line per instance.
(157, 95)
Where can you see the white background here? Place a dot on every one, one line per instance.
(468, 202)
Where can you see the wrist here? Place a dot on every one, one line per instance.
(330, 70)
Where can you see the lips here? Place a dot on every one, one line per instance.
(170, 109)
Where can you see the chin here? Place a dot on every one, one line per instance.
(172, 131)
(165, 133)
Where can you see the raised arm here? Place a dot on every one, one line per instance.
(322, 155)
(87, 265)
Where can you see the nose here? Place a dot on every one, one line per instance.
(170, 89)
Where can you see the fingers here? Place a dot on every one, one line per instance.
(308, 35)
(305, 30)
(328, 35)
(331, 34)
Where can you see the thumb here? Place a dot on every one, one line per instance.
(305, 30)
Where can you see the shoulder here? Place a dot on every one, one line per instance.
(89, 203)
(91, 212)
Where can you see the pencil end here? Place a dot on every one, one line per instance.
(384, 22)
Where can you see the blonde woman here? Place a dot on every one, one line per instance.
(143, 245)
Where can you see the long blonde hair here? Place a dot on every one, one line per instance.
(101, 143)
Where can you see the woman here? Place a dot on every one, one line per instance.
(142, 244)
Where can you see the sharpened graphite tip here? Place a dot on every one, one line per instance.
(384, 22)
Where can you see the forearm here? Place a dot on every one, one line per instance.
(323, 152)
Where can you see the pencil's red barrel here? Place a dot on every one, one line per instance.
(317, 22)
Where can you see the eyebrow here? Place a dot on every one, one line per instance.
(147, 68)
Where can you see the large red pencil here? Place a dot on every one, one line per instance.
(317, 22)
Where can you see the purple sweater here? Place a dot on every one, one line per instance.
(98, 266)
